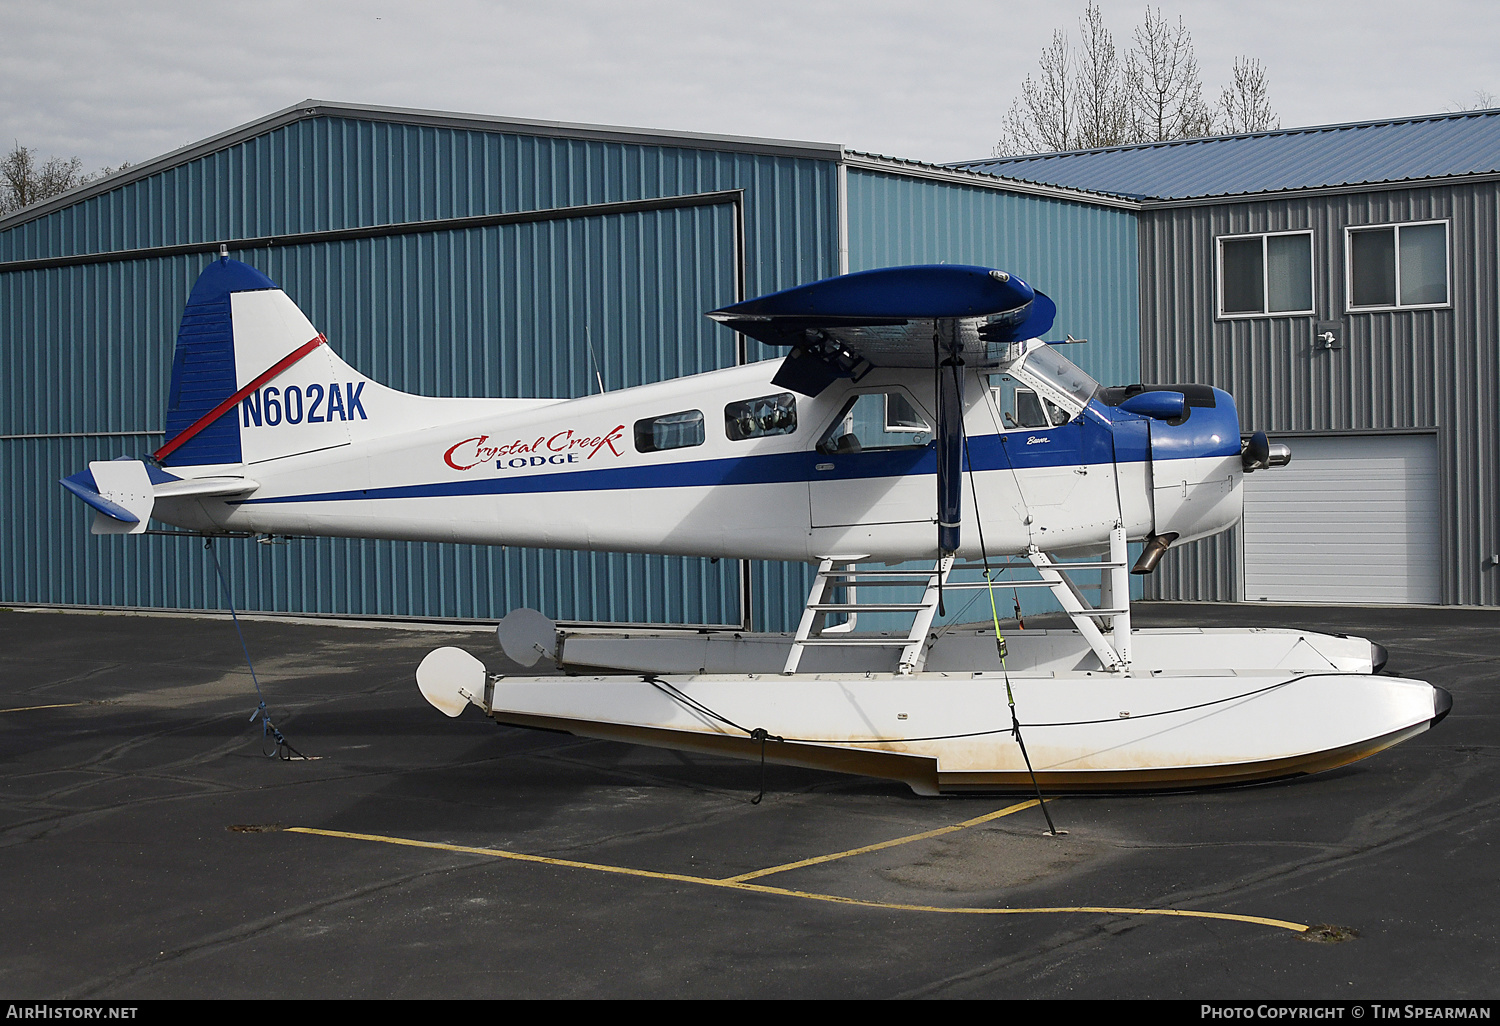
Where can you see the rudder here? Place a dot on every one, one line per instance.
(203, 367)
(252, 379)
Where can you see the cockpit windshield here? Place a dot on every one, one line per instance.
(1050, 371)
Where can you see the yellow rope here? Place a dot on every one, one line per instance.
(786, 892)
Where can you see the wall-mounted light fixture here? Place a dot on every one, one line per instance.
(1328, 335)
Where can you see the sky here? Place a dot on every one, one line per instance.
(111, 82)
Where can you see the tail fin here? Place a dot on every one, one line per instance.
(252, 379)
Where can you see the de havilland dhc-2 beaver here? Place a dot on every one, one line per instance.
(917, 416)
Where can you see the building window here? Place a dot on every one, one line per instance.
(1265, 275)
(1398, 265)
(674, 431)
(757, 418)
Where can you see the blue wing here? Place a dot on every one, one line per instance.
(892, 317)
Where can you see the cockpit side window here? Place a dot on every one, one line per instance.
(1021, 407)
(876, 420)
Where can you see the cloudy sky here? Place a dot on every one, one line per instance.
(113, 82)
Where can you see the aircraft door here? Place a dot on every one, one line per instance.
(1063, 464)
(1044, 445)
(875, 462)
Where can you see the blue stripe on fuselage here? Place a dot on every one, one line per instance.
(1072, 444)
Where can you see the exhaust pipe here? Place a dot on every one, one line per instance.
(1156, 547)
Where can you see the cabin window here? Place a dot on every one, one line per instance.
(876, 420)
(673, 431)
(1265, 275)
(901, 417)
(1021, 407)
(1398, 265)
(757, 418)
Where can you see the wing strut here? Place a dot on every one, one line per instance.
(950, 411)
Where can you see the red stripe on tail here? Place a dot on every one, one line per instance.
(234, 400)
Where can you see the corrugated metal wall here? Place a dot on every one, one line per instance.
(499, 310)
(1404, 369)
(1083, 256)
(326, 172)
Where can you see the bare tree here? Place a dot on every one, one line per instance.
(23, 181)
(1483, 100)
(1245, 106)
(1165, 89)
(1092, 97)
(1104, 116)
(1041, 120)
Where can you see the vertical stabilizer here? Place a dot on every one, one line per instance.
(203, 368)
(301, 396)
(252, 379)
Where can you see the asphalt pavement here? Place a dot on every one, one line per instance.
(150, 848)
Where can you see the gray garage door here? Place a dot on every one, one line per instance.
(1351, 519)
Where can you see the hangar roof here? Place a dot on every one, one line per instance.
(528, 127)
(429, 118)
(1328, 156)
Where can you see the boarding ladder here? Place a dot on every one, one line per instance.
(1106, 627)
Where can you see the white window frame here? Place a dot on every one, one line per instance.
(1265, 278)
(1042, 401)
(894, 429)
(1349, 231)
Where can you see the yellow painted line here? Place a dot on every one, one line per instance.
(29, 708)
(784, 892)
(884, 844)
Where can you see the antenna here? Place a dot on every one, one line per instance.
(590, 343)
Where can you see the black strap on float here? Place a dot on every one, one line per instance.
(758, 734)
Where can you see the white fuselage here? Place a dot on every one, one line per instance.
(571, 474)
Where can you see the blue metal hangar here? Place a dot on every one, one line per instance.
(452, 254)
(1343, 283)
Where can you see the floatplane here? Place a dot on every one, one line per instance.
(917, 417)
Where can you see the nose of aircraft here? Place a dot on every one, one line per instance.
(1196, 459)
(1259, 454)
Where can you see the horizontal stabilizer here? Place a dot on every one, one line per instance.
(82, 485)
(122, 485)
(123, 492)
(206, 486)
